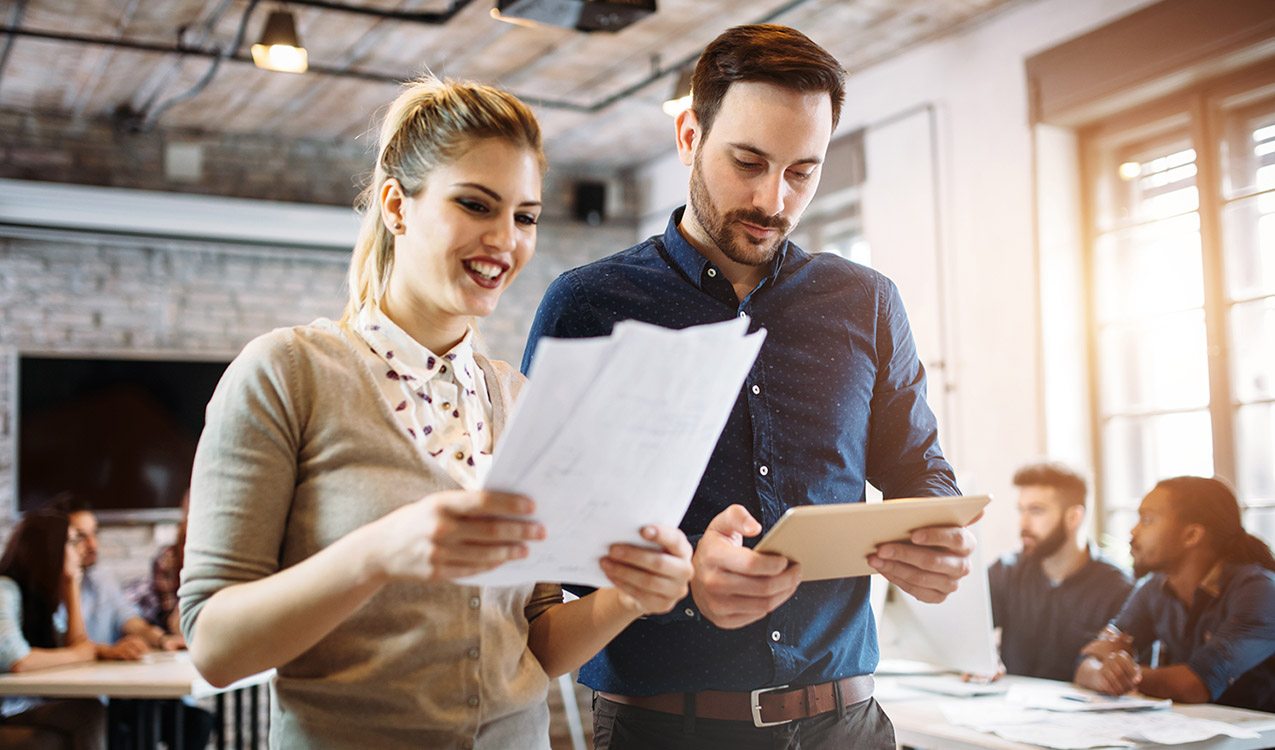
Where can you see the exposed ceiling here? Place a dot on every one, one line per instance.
(598, 94)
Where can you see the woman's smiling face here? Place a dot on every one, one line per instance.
(463, 238)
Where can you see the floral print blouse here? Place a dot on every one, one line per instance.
(440, 400)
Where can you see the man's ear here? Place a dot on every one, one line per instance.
(392, 209)
(1193, 535)
(688, 135)
(1073, 517)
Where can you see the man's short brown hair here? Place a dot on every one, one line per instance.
(1069, 484)
(763, 53)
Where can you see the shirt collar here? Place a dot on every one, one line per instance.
(409, 358)
(693, 264)
(1213, 580)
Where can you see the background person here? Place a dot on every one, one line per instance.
(1054, 596)
(835, 398)
(40, 572)
(155, 596)
(335, 489)
(109, 616)
(1208, 598)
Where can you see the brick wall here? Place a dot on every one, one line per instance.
(94, 151)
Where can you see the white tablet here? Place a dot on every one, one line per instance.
(834, 541)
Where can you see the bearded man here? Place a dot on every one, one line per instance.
(1057, 594)
(754, 657)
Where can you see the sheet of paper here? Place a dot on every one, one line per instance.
(1071, 700)
(1020, 721)
(956, 633)
(614, 433)
(951, 684)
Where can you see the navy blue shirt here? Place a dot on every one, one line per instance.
(1044, 625)
(836, 397)
(1226, 636)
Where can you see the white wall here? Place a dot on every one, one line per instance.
(976, 82)
(989, 317)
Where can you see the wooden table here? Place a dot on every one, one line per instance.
(158, 676)
(919, 721)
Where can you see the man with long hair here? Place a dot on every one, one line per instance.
(1208, 598)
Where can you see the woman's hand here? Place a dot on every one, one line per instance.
(453, 534)
(651, 581)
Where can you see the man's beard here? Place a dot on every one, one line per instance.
(1142, 566)
(1052, 542)
(749, 251)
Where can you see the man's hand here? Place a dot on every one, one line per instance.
(928, 566)
(733, 585)
(983, 679)
(128, 648)
(1115, 674)
(1108, 642)
(1109, 666)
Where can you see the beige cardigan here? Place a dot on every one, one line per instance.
(299, 449)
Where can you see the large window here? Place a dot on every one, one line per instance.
(1181, 207)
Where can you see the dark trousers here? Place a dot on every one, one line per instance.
(863, 726)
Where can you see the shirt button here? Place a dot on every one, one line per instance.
(712, 272)
(774, 636)
(473, 701)
(473, 653)
(447, 405)
(756, 390)
(460, 455)
(474, 602)
(442, 369)
(764, 470)
(689, 612)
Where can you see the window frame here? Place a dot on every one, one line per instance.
(1198, 111)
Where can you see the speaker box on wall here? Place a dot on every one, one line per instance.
(590, 202)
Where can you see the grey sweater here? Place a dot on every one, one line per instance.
(299, 449)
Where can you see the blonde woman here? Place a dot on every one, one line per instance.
(335, 492)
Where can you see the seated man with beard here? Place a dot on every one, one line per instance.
(1056, 595)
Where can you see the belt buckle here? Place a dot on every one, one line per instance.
(755, 705)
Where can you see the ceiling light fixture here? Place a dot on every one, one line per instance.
(581, 15)
(280, 48)
(681, 99)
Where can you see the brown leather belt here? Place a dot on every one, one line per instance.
(763, 707)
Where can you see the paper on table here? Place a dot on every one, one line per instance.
(951, 684)
(1021, 719)
(1072, 700)
(614, 433)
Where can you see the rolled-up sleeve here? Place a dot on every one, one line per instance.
(1245, 639)
(13, 647)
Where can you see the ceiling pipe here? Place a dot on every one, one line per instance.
(149, 117)
(433, 18)
(15, 18)
(455, 7)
